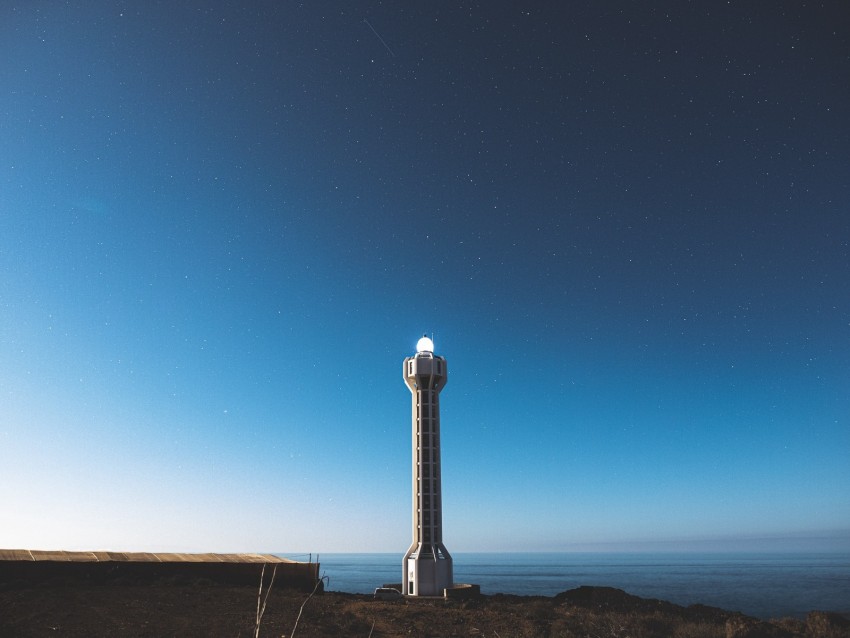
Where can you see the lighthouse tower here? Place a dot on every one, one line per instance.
(427, 565)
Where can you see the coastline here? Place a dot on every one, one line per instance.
(199, 607)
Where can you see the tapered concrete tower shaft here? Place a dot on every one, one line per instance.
(427, 564)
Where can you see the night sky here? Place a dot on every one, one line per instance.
(223, 228)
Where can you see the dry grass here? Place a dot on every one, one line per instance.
(203, 610)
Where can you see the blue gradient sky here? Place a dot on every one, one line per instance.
(222, 229)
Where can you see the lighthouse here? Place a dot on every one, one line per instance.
(427, 565)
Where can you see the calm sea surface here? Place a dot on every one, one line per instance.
(761, 585)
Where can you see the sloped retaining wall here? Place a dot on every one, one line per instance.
(22, 568)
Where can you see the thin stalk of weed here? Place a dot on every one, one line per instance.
(318, 582)
(262, 610)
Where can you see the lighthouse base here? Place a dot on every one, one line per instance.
(428, 575)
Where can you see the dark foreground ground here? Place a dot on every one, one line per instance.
(202, 608)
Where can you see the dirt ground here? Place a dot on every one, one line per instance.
(207, 609)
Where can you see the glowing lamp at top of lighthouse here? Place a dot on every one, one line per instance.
(424, 345)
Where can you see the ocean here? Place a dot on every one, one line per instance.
(764, 585)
